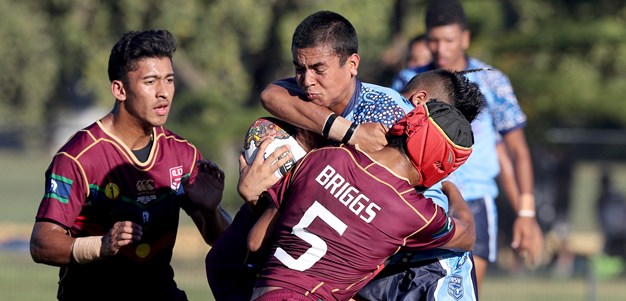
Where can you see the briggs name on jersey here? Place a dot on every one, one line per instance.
(347, 194)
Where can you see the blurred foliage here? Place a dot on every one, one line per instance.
(566, 58)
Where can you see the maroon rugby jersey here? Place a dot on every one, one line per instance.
(341, 216)
(95, 180)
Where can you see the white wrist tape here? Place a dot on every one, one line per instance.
(87, 249)
(526, 213)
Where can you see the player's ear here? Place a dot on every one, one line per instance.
(353, 64)
(418, 98)
(118, 90)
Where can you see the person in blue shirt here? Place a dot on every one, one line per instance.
(499, 131)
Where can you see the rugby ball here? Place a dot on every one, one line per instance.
(282, 132)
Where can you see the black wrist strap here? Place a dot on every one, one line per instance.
(329, 123)
(349, 133)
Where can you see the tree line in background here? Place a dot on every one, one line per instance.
(565, 58)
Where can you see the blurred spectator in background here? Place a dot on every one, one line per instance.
(418, 53)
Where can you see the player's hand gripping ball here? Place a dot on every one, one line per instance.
(282, 132)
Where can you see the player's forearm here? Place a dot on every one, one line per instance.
(507, 177)
(465, 233)
(520, 156)
(259, 232)
(211, 224)
(524, 173)
(291, 108)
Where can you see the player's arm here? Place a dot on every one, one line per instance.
(262, 229)
(203, 201)
(515, 143)
(506, 177)
(211, 224)
(465, 233)
(289, 105)
(527, 235)
(52, 244)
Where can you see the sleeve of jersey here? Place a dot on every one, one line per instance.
(506, 111)
(65, 191)
(437, 232)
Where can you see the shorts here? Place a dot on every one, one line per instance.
(450, 278)
(486, 223)
(230, 269)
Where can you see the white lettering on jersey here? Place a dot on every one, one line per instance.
(347, 194)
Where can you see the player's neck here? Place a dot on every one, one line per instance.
(394, 160)
(132, 134)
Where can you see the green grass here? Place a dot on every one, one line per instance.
(543, 288)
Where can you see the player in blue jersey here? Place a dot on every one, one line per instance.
(110, 212)
(501, 123)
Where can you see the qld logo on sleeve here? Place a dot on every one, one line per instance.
(176, 174)
(455, 287)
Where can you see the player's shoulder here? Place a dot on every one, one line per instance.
(82, 139)
(384, 96)
(341, 154)
(164, 136)
(162, 132)
(380, 89)
(488, 76)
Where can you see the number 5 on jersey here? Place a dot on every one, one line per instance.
(318, 246)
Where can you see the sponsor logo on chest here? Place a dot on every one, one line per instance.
(145, 191)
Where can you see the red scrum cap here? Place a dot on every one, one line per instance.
(439, 140)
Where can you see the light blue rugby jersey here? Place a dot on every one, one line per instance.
(502, 114)
(374, 103)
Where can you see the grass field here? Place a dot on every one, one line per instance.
(22, 279)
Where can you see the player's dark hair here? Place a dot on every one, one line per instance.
(445, 12)
(450, 87)
(327, 28)
(134, 46)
